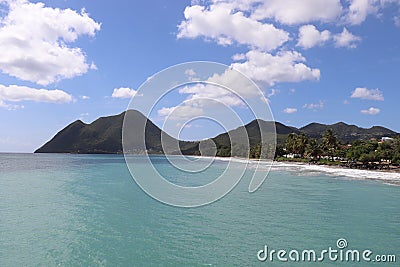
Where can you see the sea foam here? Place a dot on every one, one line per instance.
(391, 178)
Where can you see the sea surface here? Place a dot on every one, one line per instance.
(86, 210)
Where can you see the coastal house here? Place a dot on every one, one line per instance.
(292, 156)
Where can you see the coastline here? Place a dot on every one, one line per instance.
(390, 177)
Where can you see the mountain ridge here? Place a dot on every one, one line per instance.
(346, 132)
(104, 135)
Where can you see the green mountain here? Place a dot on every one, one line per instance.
(255, 130)
(104, 135)
(346, 132)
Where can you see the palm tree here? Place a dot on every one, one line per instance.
(296, 144)
(290, 143)
(329, 143)
(313, 149)
(301, 144)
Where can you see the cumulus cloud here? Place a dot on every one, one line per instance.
(210, 96)
(309, 36)
(221, 23)
(34, 42)
(254, 22)
(290, 110)
(359, 10)
(85, 97)
(262, 67)
(123, 92)
(285, 66)
(371, 111)
(180, 113)
(296, 12)
(346, 39)
(206, 94)
(15, 93)
(368, 94)
(238, 57)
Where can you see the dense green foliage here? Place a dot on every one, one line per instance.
(329, 147)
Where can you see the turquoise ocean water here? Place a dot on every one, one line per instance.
(86, 210)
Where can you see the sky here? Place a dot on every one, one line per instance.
(320, 61)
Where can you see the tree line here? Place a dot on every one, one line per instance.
(330, 149)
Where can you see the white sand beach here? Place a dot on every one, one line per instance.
(388, 177)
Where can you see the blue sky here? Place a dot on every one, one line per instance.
(316, 60)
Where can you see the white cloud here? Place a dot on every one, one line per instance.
(393, 5)
(9, 106)
(208, 97)
(15, 93)
(93, 66)
(368, 94)
(309, 36)
(85, 97)
(371, 111)
(207, 94)
(238, 57)
(191, 75)
(314, 106)
(190, 72)
(346, 39)
(123, 92)
(285, 66)
(34, 38)
(221, 23)
(183, 112)
(296, 12)
(359, 10)
(290, 110)
(165, 111)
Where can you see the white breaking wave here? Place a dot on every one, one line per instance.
(388, 177)
(306, 169)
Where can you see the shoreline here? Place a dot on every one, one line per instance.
(390, 177)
